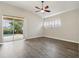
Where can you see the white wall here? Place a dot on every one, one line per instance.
(32, 27)
(77, 25)
(64, 26)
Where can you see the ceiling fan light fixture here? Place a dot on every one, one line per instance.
(42, 11)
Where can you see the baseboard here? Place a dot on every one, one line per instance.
(33, 38)
(54, 38)
(63, 39)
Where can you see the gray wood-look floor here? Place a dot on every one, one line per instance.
(39, 48)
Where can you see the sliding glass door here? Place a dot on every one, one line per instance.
(7, 30)
(18, 29)
(12, 29)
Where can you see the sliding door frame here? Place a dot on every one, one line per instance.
(13, 30)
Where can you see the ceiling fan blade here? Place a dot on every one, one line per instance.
(46, 7)
(37, 11)
(47, 10)
(37, 7)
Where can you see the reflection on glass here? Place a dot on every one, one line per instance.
(54, 23)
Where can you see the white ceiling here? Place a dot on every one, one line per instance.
(56, 7)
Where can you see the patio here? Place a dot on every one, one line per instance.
(12, 37)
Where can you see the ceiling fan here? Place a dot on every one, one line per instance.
(43, 8)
